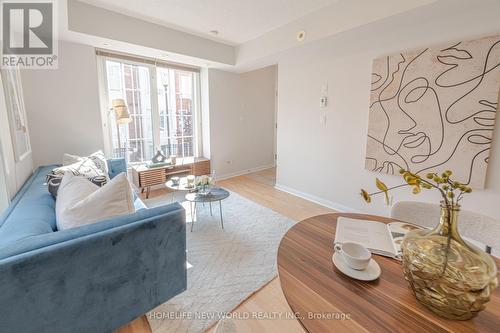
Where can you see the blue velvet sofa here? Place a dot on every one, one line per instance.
(94, 278)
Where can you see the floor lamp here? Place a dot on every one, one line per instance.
(122, 116)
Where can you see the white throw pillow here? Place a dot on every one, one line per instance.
(98, 158)
(70, 159)
(85, 168)
(79, 202)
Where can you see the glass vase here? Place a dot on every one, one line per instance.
(204, 190)
(448, 275)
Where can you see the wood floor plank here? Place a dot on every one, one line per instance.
(140, 325)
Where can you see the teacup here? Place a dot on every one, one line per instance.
(355, 255)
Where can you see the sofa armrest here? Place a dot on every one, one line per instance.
(98, 281)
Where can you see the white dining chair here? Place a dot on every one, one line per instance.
(471, 225)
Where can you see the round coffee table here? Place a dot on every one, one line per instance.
(182, 185)
(216, 194)
(326, 300)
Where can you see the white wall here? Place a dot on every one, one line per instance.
(242, 120)
(63, 106)
(326, 163)
(205, 113)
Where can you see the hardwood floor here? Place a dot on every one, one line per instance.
(258, 187)
(140, 325)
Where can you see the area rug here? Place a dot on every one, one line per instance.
(225, 266)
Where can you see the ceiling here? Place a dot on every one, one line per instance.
(237, 21)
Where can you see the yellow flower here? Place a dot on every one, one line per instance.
(366, 196)
(411, 180)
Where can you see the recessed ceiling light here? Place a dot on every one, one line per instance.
(106, 44)
(164, 55)
(214, 32)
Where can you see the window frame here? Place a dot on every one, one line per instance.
(155, 111)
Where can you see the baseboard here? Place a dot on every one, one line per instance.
(320, 201)
(244, 172)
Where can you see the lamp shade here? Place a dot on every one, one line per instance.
(118, 102)
(121, 111)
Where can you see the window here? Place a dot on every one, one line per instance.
(163, 106)
(176, 111)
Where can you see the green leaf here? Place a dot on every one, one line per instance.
(381, 186)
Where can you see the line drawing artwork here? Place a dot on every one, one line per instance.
(434, 109)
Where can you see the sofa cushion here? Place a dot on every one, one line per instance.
(80, 202)
(54, 181)
(86, 168)
(32, 211)
(98, 158)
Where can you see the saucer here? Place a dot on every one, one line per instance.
(370, 273)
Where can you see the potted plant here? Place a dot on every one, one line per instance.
(450, 276)
(203, 184)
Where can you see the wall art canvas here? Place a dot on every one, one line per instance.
(434, 109)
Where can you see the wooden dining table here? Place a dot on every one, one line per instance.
(325, 300)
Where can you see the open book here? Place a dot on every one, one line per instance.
(380, 238)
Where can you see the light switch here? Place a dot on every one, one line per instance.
(323, 102)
